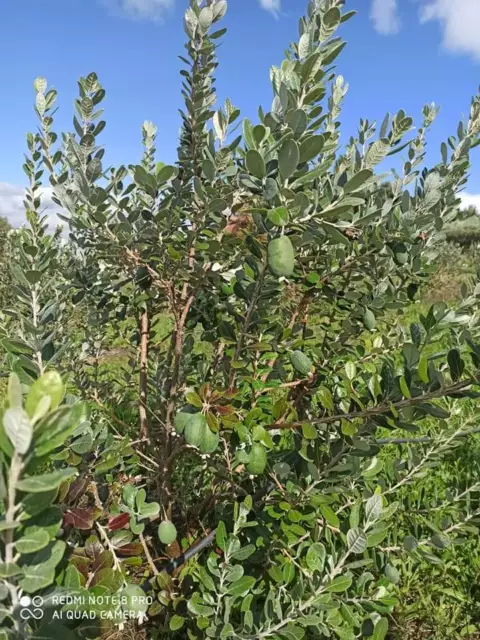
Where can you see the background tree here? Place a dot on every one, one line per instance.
(468, 212)
(4, 228)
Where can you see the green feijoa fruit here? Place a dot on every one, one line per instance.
(167, 532)
(181, 420)
(301, 362)
(195, 429)
(257, 459)
(281, 256)
(133, 599)
(369, 320)
(210, 441)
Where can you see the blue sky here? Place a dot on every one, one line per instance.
(400, 54)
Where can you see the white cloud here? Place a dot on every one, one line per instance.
(460, 20)
(271, 5)
(384, 15)
(156, 9)
(469, 199)
(141, 9)
(13, 209)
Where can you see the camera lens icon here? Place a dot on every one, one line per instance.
(31, 607)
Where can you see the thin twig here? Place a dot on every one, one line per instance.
(381, 409)
(424, 439)
(247, 321)
(111, 548)
(148, 555)
(144, 324)
(176, 453)
(110, 413)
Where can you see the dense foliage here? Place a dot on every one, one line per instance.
(464, 232)
(274, 402)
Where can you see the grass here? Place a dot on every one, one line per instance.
(455, 274)
(442, 602)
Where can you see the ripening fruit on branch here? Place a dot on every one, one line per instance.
(194, 429)
(181, 420)
(301, 363)
(197, 432)
(369, 320)
(257, 459)
(281, 256)
(210, 441)
(167, 532)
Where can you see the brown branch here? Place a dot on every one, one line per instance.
(217, 358)
(144, 323)
(134, 258)
(247, 321)
(145, 457)
(204, 506)
(304, 302)
(148, 555)
(175, 454)
(137, 451)
(164, 478)
(381, 409)
(177, 339)
(116, 563)
(424, 439)
(284, 385)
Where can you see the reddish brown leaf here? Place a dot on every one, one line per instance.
(174, 550)
(118, 522)
(108, 578)
(225, 411)
(81, 563)
(204, 391)
(80, 518)
(131, 549)
(77, 489)
(93, 547)
(103, 561)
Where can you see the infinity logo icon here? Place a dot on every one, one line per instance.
(35, 611)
